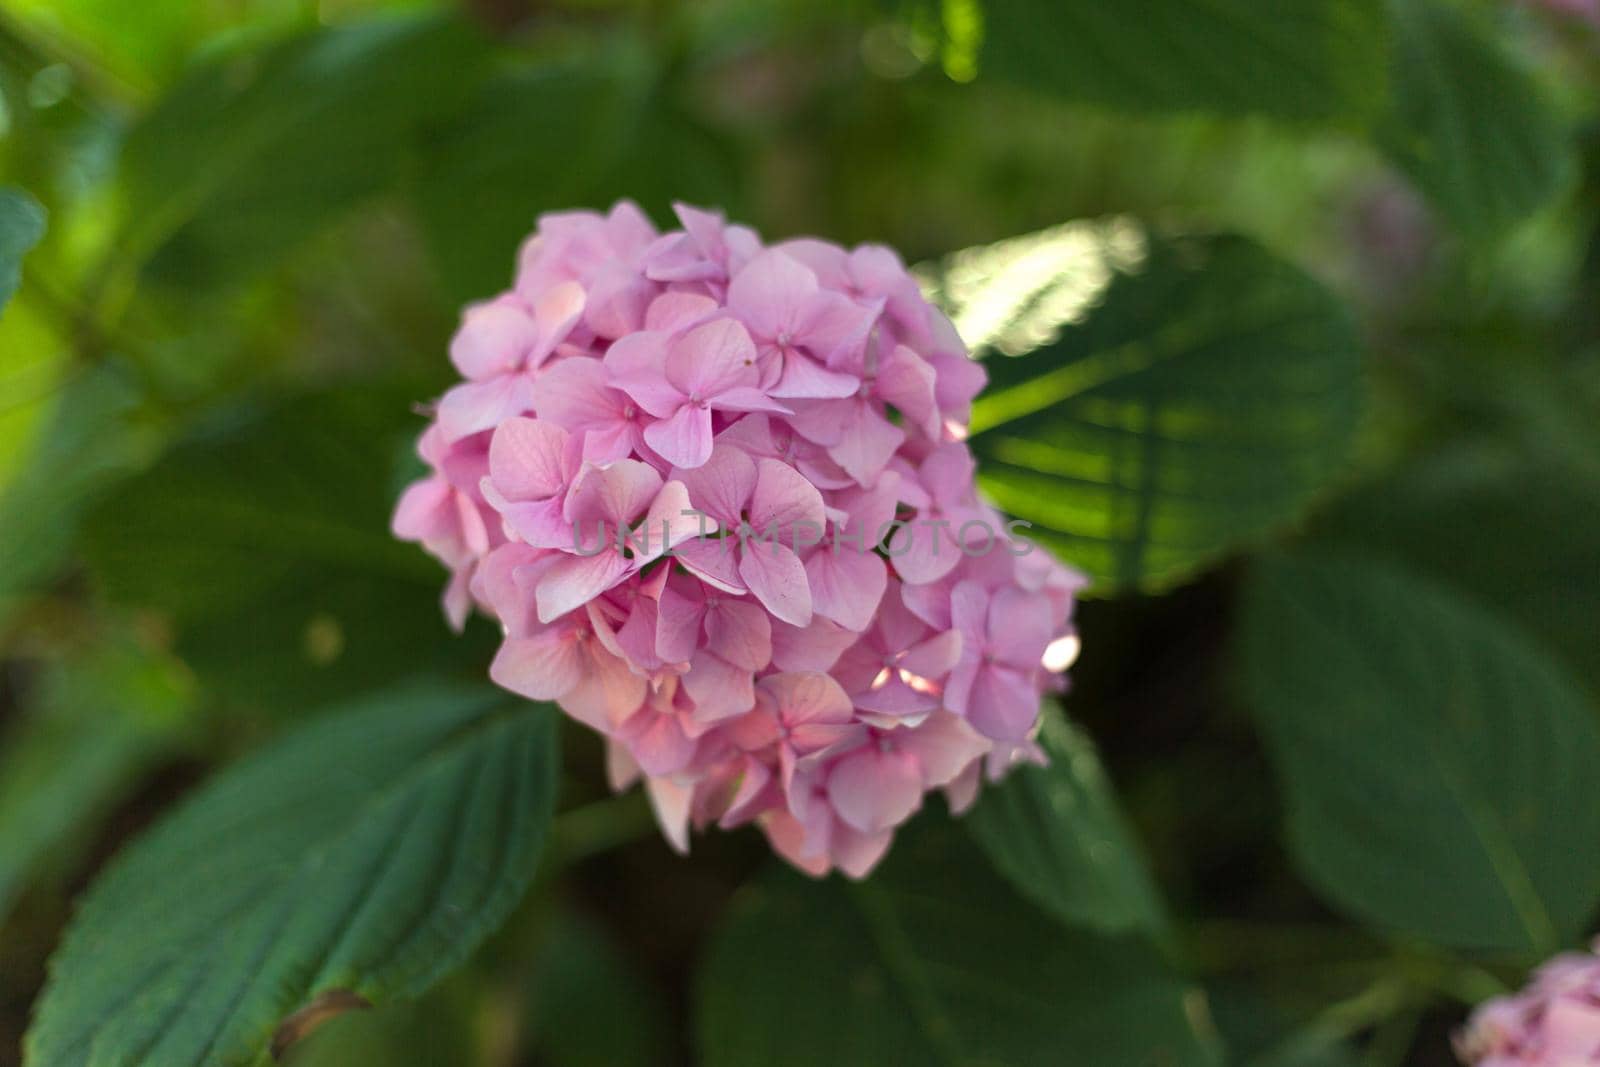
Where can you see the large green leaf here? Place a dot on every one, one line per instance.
(1519, 532)
(1058, 834)
(1467, 122)
(1178, 396)
(21, 226)
(1302, 59)
(555, 138)
(253, 151)
(1438, 768)
(368, 853)
(265, 537)
(931, 961)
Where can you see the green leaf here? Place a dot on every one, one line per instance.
(931, 961)
(254, 151)
(1179, 396)
(1058, 834)
(105, 716)
(285, 587)
(21, 227)
(486, 177)
(442, 1029)
(1439, 769)
(582, 986)
(98, 433)
(1305, 59)
(1469, 123)
(369, 853)
(1519, 532)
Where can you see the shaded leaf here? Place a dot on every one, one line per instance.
(104, 716)
(1058, 834)
(1520, 533)
(264, 535)
(1307, 59)
(1178, 396)
(1438, 768)
(97, 433)
(253, 152)
(932, 960)
(589, 1005)
(1468, 123)
(369, 852)
(21, 226)
(488, 175)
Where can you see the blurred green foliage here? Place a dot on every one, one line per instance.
(1321, 271)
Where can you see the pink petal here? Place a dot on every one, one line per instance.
(671, 520)
(943, 746)
(747, 398)
(424, 510)
(573, 581)
(722, 485)
(923, 552)
(541, 523)
(770, 292)
(778, 579)
(636, 364)
(802, 377)
(753, 794)
(846, 584)
(1020, 627)
(608, 693)
(656, 741)
(1003, 703)
(556, 313)
(907, 381)
(671, 800)
(782, 500)
(718, 688)
(873, 790)
(713, 560)
(472, 407)
(790, 840)
(711, 359)
(684, 440)
(679, 620)
(525, 459)
(617, 299)
(935, 657)
(948, 472)
(545, 666)
(857, 853)
(816, 647)
(865, 447)
(575, 394)
(494, 339)
(616, 494)
(835, 328)
(807, 697)
(671, 312)
(739, 632)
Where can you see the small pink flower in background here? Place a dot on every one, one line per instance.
(1553, 1022)
(717, 495)
(1588, 10)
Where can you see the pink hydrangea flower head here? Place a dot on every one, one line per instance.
(1553, 1022)
(717, 496)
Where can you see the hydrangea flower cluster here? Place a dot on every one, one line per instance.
(1553, 1022)
(717, 495)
